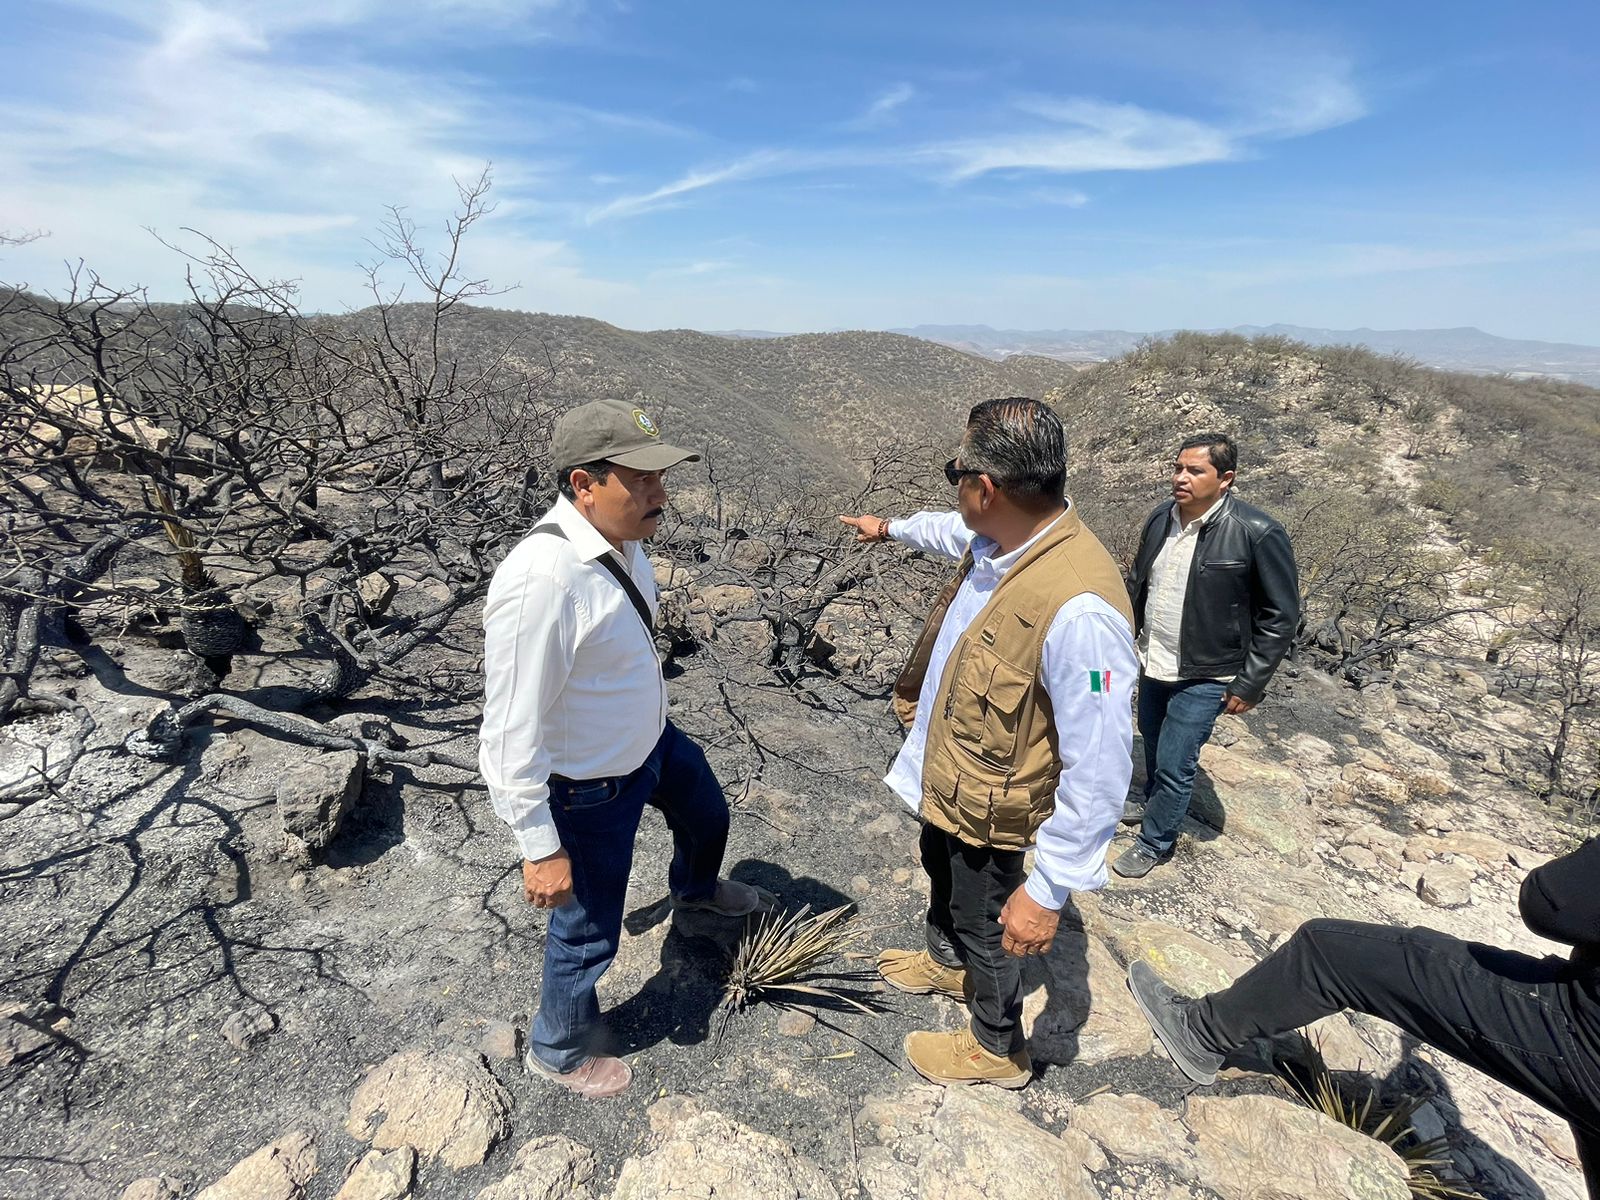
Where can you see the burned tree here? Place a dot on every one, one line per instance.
(264, 460)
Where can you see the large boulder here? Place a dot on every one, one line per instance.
(446, 1104)
(1264, 1148)
(547, 1168)
(1134, 1129)
(1190, 964)
(277, 1171)
(930, 1143)
(710, 1155)
(314, 798)
(1078, 1008)
(1258, 802)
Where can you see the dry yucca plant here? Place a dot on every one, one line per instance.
(779, 957)
(1427, 1162)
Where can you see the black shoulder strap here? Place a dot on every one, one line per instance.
(618, 572)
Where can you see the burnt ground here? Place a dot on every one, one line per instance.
(149, 902)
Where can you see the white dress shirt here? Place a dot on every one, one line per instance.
(572, 682)
(1163, 606)
(1094, 729)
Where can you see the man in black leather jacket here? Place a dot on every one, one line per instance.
(1216, 600)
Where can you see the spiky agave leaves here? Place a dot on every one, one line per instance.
(1427, 1163)
(783, 951)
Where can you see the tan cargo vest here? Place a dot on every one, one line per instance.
(992, 761)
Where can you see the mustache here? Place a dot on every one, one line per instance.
(653, 513)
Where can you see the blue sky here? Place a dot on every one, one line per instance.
(826, 165)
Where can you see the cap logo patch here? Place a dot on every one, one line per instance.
(645, 423)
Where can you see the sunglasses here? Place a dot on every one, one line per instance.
(954, 473)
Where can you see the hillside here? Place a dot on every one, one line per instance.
(260, 913)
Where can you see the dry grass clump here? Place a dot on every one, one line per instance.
(779, 957)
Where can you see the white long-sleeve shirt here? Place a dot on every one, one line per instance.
(572, 682)
(1093, 728)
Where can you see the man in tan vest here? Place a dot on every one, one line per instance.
(1018, 702)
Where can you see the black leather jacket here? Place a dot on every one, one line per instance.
(1242, 605)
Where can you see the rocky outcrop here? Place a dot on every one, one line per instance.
(931, 1143)
(547, 1168)
(1260, 803)
(446, 1104)
(708, 1154)
(277, 1171)
(1263, 1148)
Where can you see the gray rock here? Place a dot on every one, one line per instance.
(1076, 1006)
(30, 1030)
(1133, 1129)
(249, 1026)
(547, 1168)
(710, 1155)
(1445, 886)
(499, 1041)
(927, 1142)
(377, 592)
(314, 797)
(1257, 802)
(445, 1103)
(1264, 1148)
(796, 1023)
(277, 1171)
(380, 1175)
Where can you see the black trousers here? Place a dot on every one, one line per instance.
(1529, 1022)
(970, 886)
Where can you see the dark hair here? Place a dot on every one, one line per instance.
(598, 471)
(1020, 444)
(1224, 454)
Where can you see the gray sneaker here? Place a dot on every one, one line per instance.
(1135, 862)
(1132, 813)
(1168, 1014)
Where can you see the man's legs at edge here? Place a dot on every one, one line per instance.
(1506, 1014)
(1175, 720)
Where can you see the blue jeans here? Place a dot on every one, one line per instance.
(597, 820)
(1175, 719)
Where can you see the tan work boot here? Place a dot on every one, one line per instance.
(915, 971)
(956, 1057)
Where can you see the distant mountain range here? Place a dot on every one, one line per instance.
(1463, 349)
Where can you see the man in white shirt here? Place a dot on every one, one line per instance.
(575, 738)
(1216, 600)
(1022, 732)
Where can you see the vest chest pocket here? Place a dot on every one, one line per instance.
(986, 704)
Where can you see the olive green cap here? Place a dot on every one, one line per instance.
(613, 431)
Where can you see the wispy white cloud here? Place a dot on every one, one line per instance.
(879, 111)
(206, 116)
(764, 162)
(690, 270)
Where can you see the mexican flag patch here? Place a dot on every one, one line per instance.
(1099, 681)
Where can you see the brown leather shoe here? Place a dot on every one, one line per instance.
(593, 1078)
(915, 971)
(956, 1057)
